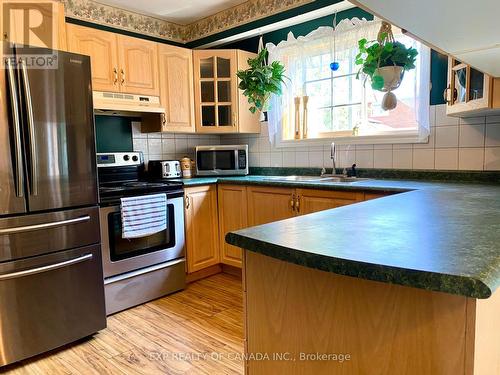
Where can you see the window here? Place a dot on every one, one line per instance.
(335, 104)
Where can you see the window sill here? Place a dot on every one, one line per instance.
(403, 137)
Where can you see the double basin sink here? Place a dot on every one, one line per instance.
(321, 179)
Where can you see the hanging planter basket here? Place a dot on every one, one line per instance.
(392, 76)
(384, 62)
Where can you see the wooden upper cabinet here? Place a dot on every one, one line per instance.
(268, 204)
(138, 72)
(119, 63)
(232, 200)
(470, 92)
(202, 227)
(308, 201)
(218, 102)
(102, 49)
(176, 88)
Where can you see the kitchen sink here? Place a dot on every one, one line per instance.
(322, 179)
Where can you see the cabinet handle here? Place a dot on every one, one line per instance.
(123, 75)
(187, 202)
(234, 118)
(292, 202)
(163, 119)
(297, 204)
(115, 72)
(447, 96)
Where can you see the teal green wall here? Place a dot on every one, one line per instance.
(113, 134)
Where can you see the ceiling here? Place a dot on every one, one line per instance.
(182, 12)
(468, 30)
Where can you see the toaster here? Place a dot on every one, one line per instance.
(164, 169)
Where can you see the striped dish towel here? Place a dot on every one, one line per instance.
(143, 215)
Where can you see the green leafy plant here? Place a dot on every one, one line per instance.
(261, 80)
(374, 54)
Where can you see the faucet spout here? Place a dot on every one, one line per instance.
(332, 156)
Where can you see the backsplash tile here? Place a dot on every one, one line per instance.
(475, 139)
(454, 144)
(169, 146)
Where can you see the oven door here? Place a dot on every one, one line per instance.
(121, 255)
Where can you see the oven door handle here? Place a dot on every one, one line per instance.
(50, 267)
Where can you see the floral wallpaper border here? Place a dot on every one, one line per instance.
(251, 10)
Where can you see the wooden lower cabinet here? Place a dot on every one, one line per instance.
(232, 203)
(202, 227)
(268, 204)
(310, 200)
(213, 211)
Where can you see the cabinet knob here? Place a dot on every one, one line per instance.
(297, 204)
(292, 202)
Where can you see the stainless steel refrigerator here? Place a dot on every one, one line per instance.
(51, 282)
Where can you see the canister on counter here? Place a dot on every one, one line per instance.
(186, 167)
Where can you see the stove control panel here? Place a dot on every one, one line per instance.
(119, 159)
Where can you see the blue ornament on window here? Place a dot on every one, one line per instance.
(335, 66)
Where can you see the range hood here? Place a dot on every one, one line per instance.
(118, 104)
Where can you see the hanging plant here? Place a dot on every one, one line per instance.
(261, 80)
(384, 60)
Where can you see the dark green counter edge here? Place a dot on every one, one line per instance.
(464, 286)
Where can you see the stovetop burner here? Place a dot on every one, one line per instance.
(120, 175)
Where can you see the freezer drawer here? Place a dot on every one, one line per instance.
(36, 234)
(49, 301)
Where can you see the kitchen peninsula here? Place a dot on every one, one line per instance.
(404, 284)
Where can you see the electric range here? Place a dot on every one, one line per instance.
(137, 270)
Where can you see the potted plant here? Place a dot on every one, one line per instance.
(261, 80)
(384, 60)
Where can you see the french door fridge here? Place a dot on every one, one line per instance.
(51, 282)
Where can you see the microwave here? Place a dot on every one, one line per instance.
(222, 160)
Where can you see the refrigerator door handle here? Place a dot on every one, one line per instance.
(18, 179)
(50, 267)
(29, 228)
(33, 178)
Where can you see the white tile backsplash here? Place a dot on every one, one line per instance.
(169, 146)
(446, 159)
(447, 136)
(471, 159)
(471, 135)
(465, 144)
(423, 159)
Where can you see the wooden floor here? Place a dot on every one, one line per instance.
(203, 323)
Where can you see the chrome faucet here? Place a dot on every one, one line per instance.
(332, 156)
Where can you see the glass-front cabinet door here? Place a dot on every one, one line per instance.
(468, 88)
(216, 91)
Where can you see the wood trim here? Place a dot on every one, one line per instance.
(201, 274)
(231, 270)
(486, 337)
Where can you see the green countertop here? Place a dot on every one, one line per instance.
(436, 236)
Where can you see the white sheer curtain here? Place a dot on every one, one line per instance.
(300, 58)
